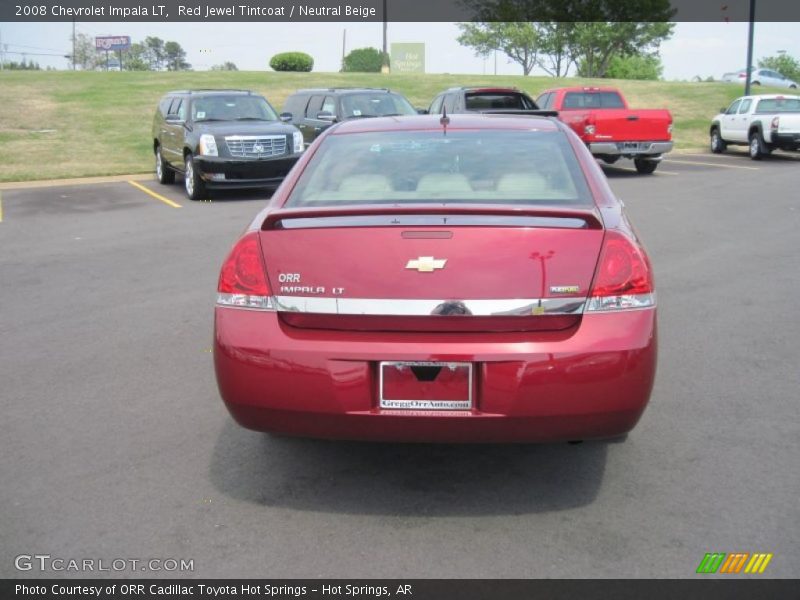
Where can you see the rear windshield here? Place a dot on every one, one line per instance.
(593, 100)
(232, 108)
(379, 104)
(490, 100)
(411, 167)
(778, 105)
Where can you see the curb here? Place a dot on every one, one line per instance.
(21, 185)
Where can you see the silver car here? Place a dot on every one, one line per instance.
(761, 77)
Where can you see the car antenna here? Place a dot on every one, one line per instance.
(445, 120)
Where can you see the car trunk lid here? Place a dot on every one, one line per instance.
(431, 269)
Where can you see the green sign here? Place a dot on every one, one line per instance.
(408, 58)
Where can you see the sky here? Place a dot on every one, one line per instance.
(696, 49)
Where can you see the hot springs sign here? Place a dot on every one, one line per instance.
(408, 58)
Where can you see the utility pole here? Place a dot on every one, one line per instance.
(73, 44)
(344, 46)
(2, 54)
(385, 67)
(750, 47)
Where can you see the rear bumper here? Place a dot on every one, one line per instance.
(648, 149)
(785, 139)
(232, 173)
(592, 381)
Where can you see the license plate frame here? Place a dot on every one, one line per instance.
(422, 404)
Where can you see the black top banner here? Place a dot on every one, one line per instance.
(401, 10)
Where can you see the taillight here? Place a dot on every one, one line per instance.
(243, 280)
(623, 279)
(776, 121)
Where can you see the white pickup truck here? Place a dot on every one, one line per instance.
(763, 123)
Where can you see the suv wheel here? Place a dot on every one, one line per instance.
(717, 143)
(164, 174)
(195, 186)
(644, 166)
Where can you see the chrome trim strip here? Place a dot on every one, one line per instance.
(413, 307)
(245, 301)
(623, 302)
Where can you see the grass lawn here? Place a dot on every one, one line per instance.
(74, 124)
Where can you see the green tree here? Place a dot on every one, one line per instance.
(155, 52)
(518, 41)
(556, 35)
(557, 48)
(597, 44)
(635, 66)
(23, 65)
(785, 64)
(226, 66)
(292, 61)
(86, 56)
(175, 57)
(136, 58)
(364, 60)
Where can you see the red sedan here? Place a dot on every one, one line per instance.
(461, 279)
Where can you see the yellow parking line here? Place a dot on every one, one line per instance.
(708, 164)
(155, 195)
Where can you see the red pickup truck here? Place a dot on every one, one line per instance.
(601, 118)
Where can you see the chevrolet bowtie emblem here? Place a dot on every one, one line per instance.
(426, 264)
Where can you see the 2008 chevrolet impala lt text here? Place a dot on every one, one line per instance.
(469, 278)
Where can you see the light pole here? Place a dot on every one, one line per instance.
(385, 66)
(750, 47)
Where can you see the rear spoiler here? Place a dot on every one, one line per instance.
(431, 215)
(519, 111)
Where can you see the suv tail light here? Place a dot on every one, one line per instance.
(624, 278)
(243, 279)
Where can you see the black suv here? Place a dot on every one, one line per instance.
(222, 139)
(315, 110)
(473, 99)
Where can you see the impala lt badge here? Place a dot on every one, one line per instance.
(426, 264)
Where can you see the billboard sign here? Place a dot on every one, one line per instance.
(107, 43)
(408, 58)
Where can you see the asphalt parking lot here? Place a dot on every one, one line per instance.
(114, 443)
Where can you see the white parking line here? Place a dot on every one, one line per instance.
(624, 170)
(708, 164)
(736, 156)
